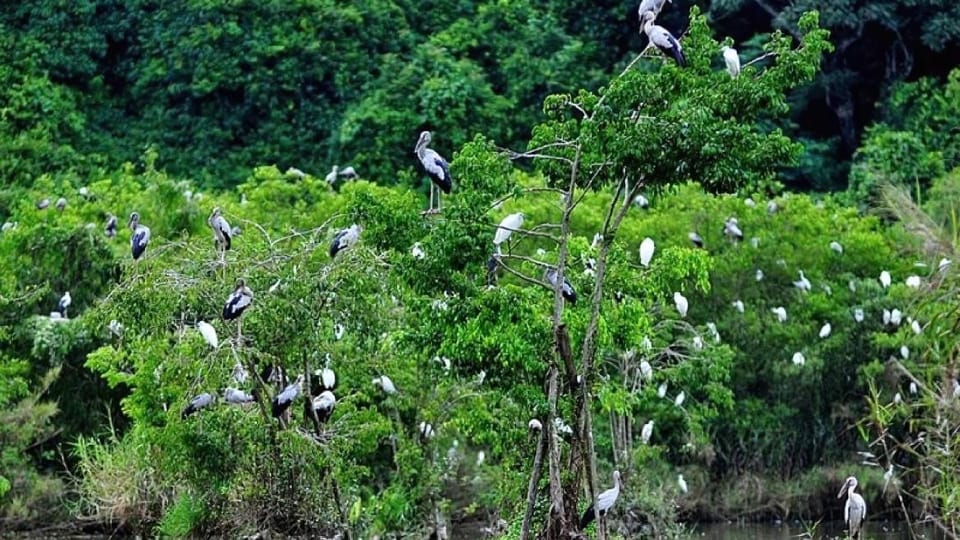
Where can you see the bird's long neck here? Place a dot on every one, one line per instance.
(421, 148)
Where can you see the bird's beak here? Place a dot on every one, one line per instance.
(843, 490)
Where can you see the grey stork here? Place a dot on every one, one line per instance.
(110, 229)
(140, 237)
(567, 290)
(436, 168)
(652, 6)
(604, 502)
(199, 402)
(238, 301)
(695, 238)
(345, 239)
(221, 232)
(323, 405)
(663, 39)
(284, 399)
(236, 397)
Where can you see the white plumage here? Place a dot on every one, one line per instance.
(803, 283)
(209, 333)
(759, 274)
(738, 305)
(385, 384)
(895, 317)
(825, 330)
(509, 224)
(799, 359)
(662, 38)
(534, 425)
(885, 279)
(417, 251)
(345, 239)
(647, 248)
(913, 282)
(236, 397)
(662, 390)
(913, 388)
(646, 432)
(732, 60)
(731, 228)
(646, 370)
(834, 245)
(323, 405)
(64, 303)
(915, 326)
(904, 352)
(680, 301)
(650, 5)
(682, 483)
(855, 511)
(781, 313)
(605, 502)
(678, 401)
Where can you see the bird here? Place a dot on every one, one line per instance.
(738, 305)
(662, 38)
(732, 60)
(772, 207)
(534, 425)
(915, 326)
(349, 173)
(781, 313)
(385, 384)
(42, 204)
(885, 279)
(221, 231)
(209, 333)
(855, 511)
(653, 6)
(239, 300)
(895, 317)
(834, 245)
(759, 275)
(641, 201)
(293, 171)
(110, 229)
(646, 432)
(567, 290)
(803, 283)
(61, 204)
(913, 388)
(236, 397)
(731, 228)
(682, 483)
(647, 248)
(603, 504)
(239, 373)
(825, 330)
(695, 238)
(646, 370)
(662, 390)
(436, 168)
(63, 304)
(426, 430)
(417, 251)
(323, 405)
(7, 225)
(328, 379)
(904, 352)
(345, 239)
(886, 316)
(913, 282)
(140, 237)
(284, 399)
(338, 331)
(332, 175)
(680, 301)
(199, 402)
(799, 359)
(509, 224)
(678, 401)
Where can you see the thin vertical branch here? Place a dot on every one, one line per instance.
(534, 483)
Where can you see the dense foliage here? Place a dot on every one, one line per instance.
(792, 355)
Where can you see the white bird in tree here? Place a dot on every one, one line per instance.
(913, 388)
(222, 232)
(345, 239)
(209, 333)
(904, 352)
(803, 283)
(749, 200)
(239, 373)
(678, 401)
(897, 398)
(895, 317)
(825, 330)
(731, 228)
(605, 502)
(293, 171)
(567, 291)
(913, 282)
(738, 305)
(886, 316)
(646, 432)
(646, 370)
(239, 300)
(236, 397)
(511, 223)
(915, 326)
(647, 248)
(732, 60)
(140, 237)
(682, 483)
(63, 304)
(695, 238)
(323, 405)
(681, 303)
(759, 275)
(436, 168)
(385, 384)
(61, 204)
(653, 6)
(885, 279)
(855, 511)
(834, 245)
(426, 430)
(662, 38)
(799, 359)
(534, 425)
(641, 201)
(662, 390)
(284, 399)
(199, 402)
(781, 313)
(43, 204)
(417, 251)
(349, 173)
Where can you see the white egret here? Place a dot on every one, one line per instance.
(140, 237)
(597, 240)
(913, 282)
(678, 401)
(886, 316)
(646, 370)
(759, 274)
(915, 326)
(803, 283)
(345, 239)
(332, 175)
(682, 483)
(748, 201)
(738, 305)
(885, 279)
(895, 317)
(825, 330)
(712, 327)
(209, 333)
(834, 245)
(781, 313)
(913, 388)
(858, 315)
(199, 402)
(436, 168)
(698, 343)
(385, 384)
(417, 251)
(732, 60)
(641, 201)
(647, 248)
(897, 398)
(61, 204)
(646, 432)
(662, 390)
(680, 301)
(605, 501)
(799, 359)
(509, 224)
(852, 285)
(855, 511)
(328, 379)
(904, 352)
(662, 38)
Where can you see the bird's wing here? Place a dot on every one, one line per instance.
(607, 498)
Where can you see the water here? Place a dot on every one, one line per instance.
(762, 531)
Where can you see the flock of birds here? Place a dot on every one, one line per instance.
(324, 381)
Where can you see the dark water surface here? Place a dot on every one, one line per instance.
(760, 531)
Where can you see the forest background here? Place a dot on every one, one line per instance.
(122, 106)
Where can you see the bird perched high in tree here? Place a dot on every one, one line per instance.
(662, 39)
(221, 232)
(732, 60)
(201, 401)
(140, 237)
(604, 502)
(64, 303)
(284, 399)
(436, 168)
(110, 228)
(345, 239)
(569, 294)
(239, 300)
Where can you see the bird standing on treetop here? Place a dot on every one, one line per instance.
(647, 247)
(732, 60)
(64, 303)
(345, 239)
(197, 403)
(855, 511)
(221, 231)
(238, 301)
(604, 502)
(284, 399)
(663, 39)
(323, 405)
(436, 167)
(653, 6)
(140, 238)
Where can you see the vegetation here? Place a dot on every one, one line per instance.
(791, 357)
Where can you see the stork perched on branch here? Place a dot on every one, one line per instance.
(663, 39)
(436, 168)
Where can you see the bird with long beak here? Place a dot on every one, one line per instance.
(855, 511)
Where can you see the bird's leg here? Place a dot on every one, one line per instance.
(433, 189)
(240, 331)
(439, 203)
